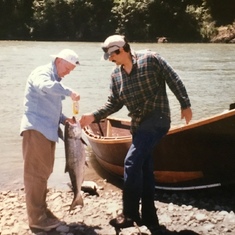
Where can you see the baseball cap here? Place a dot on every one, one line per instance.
(111, 44)
(68, 55)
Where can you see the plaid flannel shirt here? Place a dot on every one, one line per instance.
(144, 89)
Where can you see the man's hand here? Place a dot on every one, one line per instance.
(186, 114)
(75, 96)
(86, 119)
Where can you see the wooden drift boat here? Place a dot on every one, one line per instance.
(198, 155)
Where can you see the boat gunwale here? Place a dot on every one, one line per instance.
(203, 121)
(173, 130)
(107, 140)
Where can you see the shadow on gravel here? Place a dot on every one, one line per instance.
(75, 229)
(98, 172)
(164, 196)
(85, 230)
(212, 199)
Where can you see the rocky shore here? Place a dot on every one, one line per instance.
(225, 34)
(206, 212)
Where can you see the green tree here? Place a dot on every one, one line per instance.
(91, 19)
(205, 23)
(71, 19)
(130, 18)
(170, 19)
(15, 17)
(51, 20)
(222, 12)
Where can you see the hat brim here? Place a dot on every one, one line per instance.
(106, 56)
(56, 56)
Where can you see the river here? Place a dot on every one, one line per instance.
(207, 70)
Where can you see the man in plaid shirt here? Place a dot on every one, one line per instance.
(139, 82)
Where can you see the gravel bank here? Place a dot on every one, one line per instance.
(204, 212)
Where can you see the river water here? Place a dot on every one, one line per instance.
(207, 70)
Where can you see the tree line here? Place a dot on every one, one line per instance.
(94, 20)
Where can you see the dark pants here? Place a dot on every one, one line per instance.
(139, 184)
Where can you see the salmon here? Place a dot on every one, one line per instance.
(75, 159)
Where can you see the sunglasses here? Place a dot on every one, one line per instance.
(105, 49)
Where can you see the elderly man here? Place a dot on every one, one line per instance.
(42, 116)
(139, 82)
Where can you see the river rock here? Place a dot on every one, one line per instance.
(208, 212)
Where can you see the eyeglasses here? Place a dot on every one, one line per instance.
(105, 49)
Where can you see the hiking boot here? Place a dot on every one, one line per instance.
(121, 222)
(46, 224)
(157, 229)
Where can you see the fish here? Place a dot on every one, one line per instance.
(75, 159)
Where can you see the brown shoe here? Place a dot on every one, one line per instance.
(49, 214)
(46, 224)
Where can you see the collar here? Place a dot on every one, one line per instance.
(57, 78)
(134, 57)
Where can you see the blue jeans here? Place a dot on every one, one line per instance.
(139, 184)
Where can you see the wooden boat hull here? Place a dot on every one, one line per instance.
(201, 153)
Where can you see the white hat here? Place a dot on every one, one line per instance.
(68, 55)
(111, 44)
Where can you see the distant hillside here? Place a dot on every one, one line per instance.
(139, 20)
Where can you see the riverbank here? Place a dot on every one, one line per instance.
(204, 212)
(225, 34)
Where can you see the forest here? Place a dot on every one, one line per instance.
(94, 20)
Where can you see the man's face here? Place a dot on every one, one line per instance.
(64, 67)
(116, 56)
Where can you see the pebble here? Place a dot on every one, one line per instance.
(202, 212)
